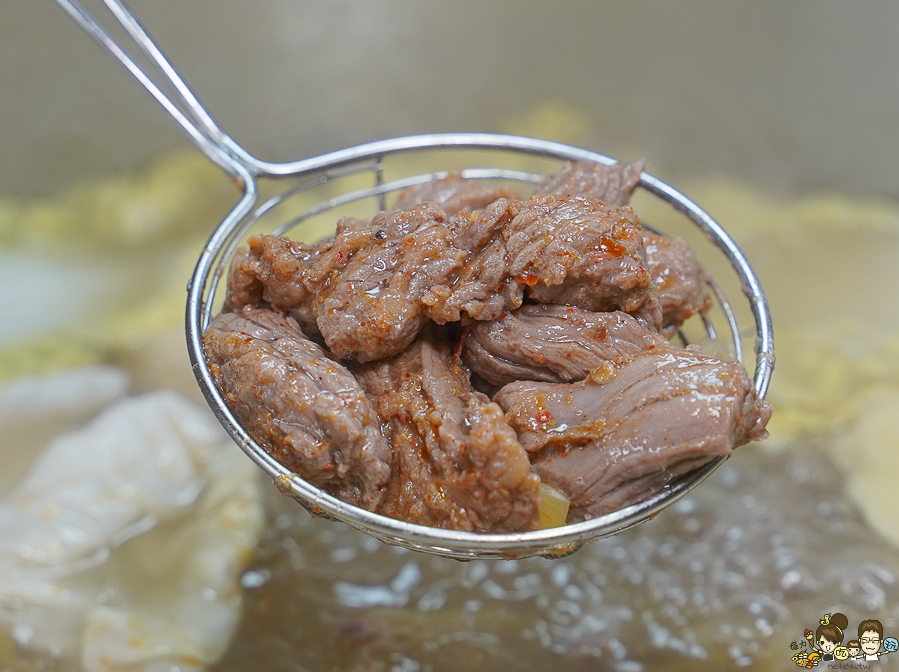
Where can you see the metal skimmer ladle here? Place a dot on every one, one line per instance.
(376, 159)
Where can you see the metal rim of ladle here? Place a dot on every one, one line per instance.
(464, 545)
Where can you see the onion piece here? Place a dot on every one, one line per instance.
(553, 507)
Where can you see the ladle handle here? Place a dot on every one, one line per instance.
(180, 102)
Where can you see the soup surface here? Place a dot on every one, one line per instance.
(730, 576)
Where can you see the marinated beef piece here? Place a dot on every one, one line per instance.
(245, 287)
(682, 282)
(553, 343)
(483, 288)
(633, 426)
(303, 408)
(581, 252)
(569, 251)
(610, 184)
(359, 289)
(372, 308)
(456, 463)
(278, 272)
(453, 193)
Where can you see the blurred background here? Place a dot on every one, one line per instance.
(796, 96)
(778, 118)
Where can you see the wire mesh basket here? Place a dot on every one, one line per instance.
(361, 182)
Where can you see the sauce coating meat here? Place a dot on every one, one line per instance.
(579, 251)
(305, 409)
(371, 289)
(552, 343)
(601, 440)
(564, 301)
(457, 463)
(360, 288)
(682, 283)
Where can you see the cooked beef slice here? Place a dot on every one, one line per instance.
(372, 307)
(245, 287)
(361, 288)
(633, 426)
(303, 408)
(610, 184)
(582, 252)
(553, 343)
(276, 271)
(682, 282)
(456, 463)
(483, 288)
(570, 251)
(453, 193)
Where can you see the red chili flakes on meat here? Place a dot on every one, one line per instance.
(612, 248)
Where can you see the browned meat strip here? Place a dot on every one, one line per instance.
(581, 252)
(276, 271)
(372, 307)
(610, 184)
(633, 426)
(305, 409)
(361, 289)
(569, 251)
(483, 289)
(453, 193)
(682, 282)
(553, 343)
(456, 463)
